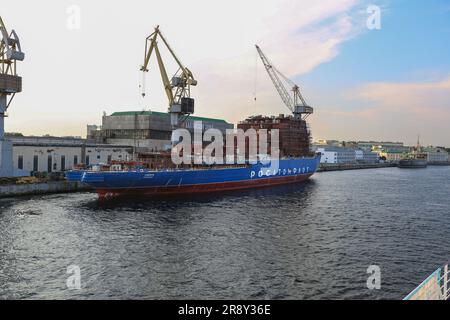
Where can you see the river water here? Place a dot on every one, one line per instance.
(312, 240)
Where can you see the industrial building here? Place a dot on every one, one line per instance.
(378, 145)
(365, 156)
(393, 155)
(337, 155)
(340, 155)
(436, 155)
(54, 154)
(147, 131)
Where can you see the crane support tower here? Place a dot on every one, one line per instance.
(178, 89)
(10, 84)
(295, 101)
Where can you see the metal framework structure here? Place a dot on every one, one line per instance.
(178, 90)
(10, 82)
(435, 287)
(295, 102)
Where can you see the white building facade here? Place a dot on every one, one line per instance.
(41, 154)
(368, 157)
(336, 155)
(436, 155)
(340, 155)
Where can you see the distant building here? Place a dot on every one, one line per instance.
(54, 154)
(364, 156)
(148, 131)
(383, 147)
(392, 155)
(321, 143)
(436, 155)
(386, 145)
(337, 155)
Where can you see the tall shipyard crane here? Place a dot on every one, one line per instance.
(295, 102)
(10, 82)
(178, 89)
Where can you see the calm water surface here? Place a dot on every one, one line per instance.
(306, 241)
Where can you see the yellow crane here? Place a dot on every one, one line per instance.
(178, 89)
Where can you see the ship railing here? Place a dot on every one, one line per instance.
(435, 287)
(445, 279)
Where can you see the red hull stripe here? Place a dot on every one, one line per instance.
(201, 188)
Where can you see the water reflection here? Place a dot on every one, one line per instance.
(307, 240)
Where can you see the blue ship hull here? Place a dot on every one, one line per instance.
(74, 175)
(110, 184)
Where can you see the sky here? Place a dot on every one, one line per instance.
(388, 83)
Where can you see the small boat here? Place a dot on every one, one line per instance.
(417, 160)
(412, 163)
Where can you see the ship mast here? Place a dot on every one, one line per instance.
(418, 148)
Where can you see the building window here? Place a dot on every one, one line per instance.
(49, 163)
(98, 157)
(75, 160)
(35, 163)
(20, 162)
(87, 160)
(109, 158)
(63, 163)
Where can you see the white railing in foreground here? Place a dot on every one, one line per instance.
(435, 287)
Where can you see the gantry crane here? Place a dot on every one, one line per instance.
(178, 90)
(10, 82)
(296, 103)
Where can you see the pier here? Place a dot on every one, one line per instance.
(13, 187)
(351, 166)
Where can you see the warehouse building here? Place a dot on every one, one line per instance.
(337, 155)
(436, 155)
(367, 157)
(54, 154)
(148, 131)
(393, 155)
(340, 155)
(380, 145)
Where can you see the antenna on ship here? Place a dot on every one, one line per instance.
(418, 144)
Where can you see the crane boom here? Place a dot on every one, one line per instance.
(296, 103)
(273, 74)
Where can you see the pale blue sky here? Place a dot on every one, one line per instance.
(389, 84)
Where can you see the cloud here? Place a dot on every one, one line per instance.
(68, 84)
(297, 37)
(394, 111)
(428, 100)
